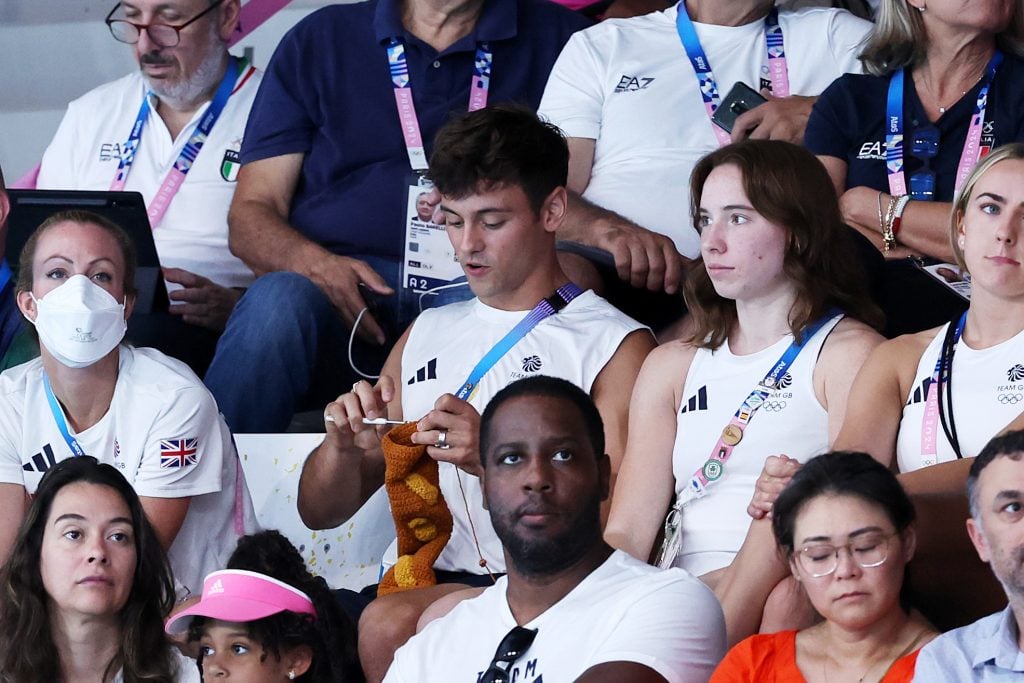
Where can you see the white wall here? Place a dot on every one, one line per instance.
(52, 51)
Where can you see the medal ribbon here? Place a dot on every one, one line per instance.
(930, 420)
(399, 66)
(714, 468)
(172, 182)
(894, 129)
(58, 417)
(777, 65)
(544, 309)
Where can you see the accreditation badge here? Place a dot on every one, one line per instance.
(429, 256)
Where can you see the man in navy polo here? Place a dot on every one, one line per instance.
(333, 159)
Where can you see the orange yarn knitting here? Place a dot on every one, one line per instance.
(422, 518)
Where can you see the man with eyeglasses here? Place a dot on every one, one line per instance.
(172, 131)
(570, 608)
(992, 648)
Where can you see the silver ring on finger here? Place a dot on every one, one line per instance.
(442, 440)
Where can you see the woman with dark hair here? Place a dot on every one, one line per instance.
(845, 527)
(943, 86)
(266, 618)
(777, 337)
(87, 585)
(134, 408)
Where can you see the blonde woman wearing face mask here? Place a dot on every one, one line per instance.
(136, 409)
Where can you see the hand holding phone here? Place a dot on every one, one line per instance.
(741, 99)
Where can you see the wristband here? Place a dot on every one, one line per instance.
(897, 218)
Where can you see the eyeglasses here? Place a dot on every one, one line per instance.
(511, 647)
(924, 146)
(162, 35)
(871, 550)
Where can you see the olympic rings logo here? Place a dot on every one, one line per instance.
(1010, 399)
(773, 406)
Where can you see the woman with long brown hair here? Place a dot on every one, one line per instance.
(85, 590)
(777, 307)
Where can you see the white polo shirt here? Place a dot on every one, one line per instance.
(193, 234)
(628, 84)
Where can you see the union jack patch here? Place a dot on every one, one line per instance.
(178, 452)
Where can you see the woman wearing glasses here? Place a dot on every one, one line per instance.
(943, 87)
(845, 526)
(767, 369)
(930, 401)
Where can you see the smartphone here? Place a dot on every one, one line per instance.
(742, 98)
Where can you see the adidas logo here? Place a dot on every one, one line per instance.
(698, 401)
(41, 462)
(428, 371)
(920, 393)
(633, 83)
(216, 588)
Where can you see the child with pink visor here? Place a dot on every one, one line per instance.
(256, 628)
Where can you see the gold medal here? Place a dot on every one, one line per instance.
(732, 435)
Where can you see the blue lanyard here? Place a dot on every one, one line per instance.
(195, 142)
(774, 45)
(58, 417)
(760, 393)
(544, 309)
(712, 470)
(894, 128)
(5, 274)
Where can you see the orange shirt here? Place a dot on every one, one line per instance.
(771, 658)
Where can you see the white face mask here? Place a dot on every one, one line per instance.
(79, 322)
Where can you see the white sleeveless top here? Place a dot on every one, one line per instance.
(988, 393)
(791, 421)
(444, 346)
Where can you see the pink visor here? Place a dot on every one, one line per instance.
(241, 596)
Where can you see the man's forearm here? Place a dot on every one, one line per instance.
(266, 242)
(335, 483)
(584, 220)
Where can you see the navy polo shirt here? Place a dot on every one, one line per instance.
(327, 94)
(848, 122)
(11, 319)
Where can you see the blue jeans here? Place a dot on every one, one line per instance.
(285, 348)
